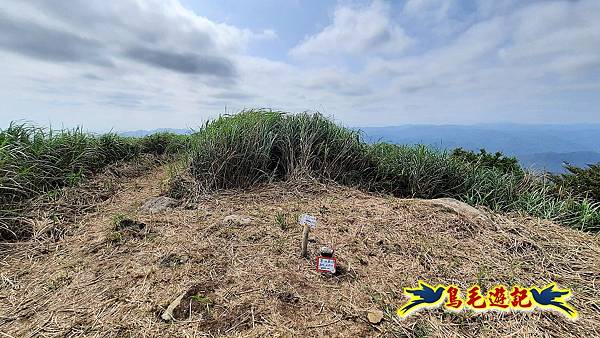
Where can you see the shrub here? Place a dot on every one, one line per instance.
(498, 161)
(580, 181)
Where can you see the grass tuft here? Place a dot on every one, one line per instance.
(261, 146)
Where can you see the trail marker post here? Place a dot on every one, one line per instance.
(308, 222)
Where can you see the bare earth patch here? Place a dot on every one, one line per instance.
(249, 280)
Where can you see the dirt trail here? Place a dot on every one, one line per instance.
(249, 280)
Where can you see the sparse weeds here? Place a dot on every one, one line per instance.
(201, 299)
(58, 281)
(124, 227)
(278, 246)
(281, 220)
(115, 237)
(117, 221)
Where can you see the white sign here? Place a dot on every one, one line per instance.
(308, 219)
(326, 264)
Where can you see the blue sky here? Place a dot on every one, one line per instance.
(142, 64)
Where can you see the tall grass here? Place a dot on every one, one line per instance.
(259, 146)
(416, 171)
(235, 151)
(35, 161)
(163, 143)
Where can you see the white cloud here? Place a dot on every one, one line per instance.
(134, 64)
(536, 38)
(356, 31)
(564, 32)
(157, 33)
(120, 63)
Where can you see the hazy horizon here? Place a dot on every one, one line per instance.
(199, 125)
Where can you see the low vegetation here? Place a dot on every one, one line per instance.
(582, 181)
(498, 161)
(256, 147)
(36, 161)
(259, 146)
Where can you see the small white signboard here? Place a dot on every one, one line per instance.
(326, 264)
(308, 219)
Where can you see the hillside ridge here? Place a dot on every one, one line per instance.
(102, 281)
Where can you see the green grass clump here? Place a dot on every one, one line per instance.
(35, 161)
(417, 171)
(235, 151)
(280, 220)
(254, 147)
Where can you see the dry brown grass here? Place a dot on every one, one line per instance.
(96, 282)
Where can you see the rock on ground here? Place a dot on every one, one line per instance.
(463, 209)
(158, 204)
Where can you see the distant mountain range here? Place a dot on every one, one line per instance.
(553, 162)
(538, 147)
(142, 133)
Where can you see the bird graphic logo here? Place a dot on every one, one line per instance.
(424, 296)
(553, 298)
(498, 298)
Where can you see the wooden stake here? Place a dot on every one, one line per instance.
(305, 240)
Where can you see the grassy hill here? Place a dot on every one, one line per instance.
(263, 146)
(86, 256)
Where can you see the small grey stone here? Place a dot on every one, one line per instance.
(158, 204)
(326, 251)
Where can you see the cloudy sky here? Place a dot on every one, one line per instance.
(142, 64)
